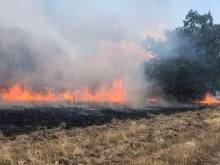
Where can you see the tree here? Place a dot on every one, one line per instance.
(187, 63)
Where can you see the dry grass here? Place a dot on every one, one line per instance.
(214, 118)
(179, 139)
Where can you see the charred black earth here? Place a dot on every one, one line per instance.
(19, 119)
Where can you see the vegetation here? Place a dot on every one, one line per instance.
(185, 138)
(187, 63)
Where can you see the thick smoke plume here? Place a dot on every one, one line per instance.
(39, 49)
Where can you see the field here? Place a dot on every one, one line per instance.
(182, 137)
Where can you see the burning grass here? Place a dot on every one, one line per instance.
(208, 100)
(114, 94)
(183, 138)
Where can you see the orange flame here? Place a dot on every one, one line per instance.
(152, 99)
(116, 93)
(17, 93)
(208, 100)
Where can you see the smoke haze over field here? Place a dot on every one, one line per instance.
(68, 44)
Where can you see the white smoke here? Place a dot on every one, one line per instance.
(39, 48)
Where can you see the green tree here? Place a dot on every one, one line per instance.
(187, 63)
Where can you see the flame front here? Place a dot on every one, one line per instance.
(208, 100)
(17, 93)
(116, 93)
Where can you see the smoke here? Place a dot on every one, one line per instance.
(40, 47)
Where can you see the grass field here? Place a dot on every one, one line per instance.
(183, 138)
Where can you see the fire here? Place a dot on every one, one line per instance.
(208, 100)
(17, 93)
(152, 99)
(116, 93)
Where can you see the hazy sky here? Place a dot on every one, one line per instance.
(138, 17)
(80, 24)
(133, 13)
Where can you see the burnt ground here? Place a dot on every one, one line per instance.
(118, 135)
(18, 119)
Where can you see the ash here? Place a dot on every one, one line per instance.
(25, 118)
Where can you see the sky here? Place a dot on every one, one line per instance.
(140, 18)
(92, 38)
(104, 18)
(135, 14)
